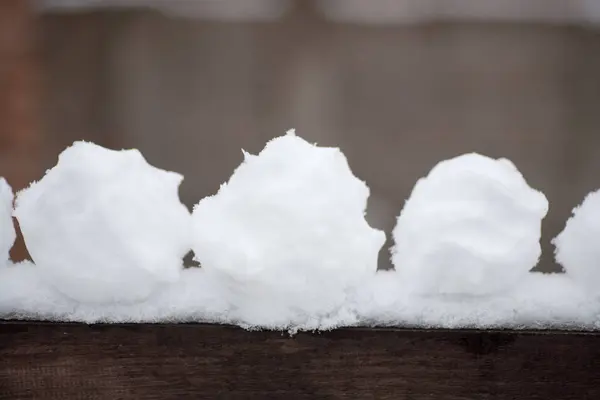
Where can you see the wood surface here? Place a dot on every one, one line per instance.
(20, 136)
(191, 361)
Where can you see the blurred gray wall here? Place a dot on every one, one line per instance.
(396, 99)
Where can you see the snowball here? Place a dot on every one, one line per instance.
(471, 227)
(7, 228)
(104, 225)
(577, 249)
(288, 232)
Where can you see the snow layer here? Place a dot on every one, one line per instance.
(104, 226)
(284, 245)
(539, 301)
(577, 247)
(288, 233)
(7, 228)
(471, 227)
(26, 294)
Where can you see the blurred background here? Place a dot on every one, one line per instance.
(397, 85)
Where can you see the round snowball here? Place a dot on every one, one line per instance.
(291, 219)
(471, 227)
(104, 226)
(7, 228)
(577, 249)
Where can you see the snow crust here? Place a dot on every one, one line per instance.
(104, 226)
(288, 232)
(577, 247)
(7, 228)
(472, 226)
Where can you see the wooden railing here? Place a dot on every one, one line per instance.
(195, 361)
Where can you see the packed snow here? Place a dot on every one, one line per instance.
(472, 226)
(7, 228)
(537, 301)
(577, 247)
(104, 226)
(26, 294)
(284, 245)
(288, 232)
(540, 301)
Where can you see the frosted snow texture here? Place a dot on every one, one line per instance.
(471, 227)
(104, 225)
(7, 228)
(545, 301)
(284, 245)
(537, 301)
(288, 232)
(577, 247)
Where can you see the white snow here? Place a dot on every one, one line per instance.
(104, 226)
(7, 228)
(25, 294)
(284, 245)
(288, 232)
(539, 301)
(471, 227)
(577, 247)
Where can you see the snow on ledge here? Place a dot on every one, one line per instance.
(541, 301)
(284, 245)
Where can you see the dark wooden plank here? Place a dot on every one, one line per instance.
(72, 361)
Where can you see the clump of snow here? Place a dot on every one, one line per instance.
(472, 226)
(287, 233)
(284, 245)
(105, 226)
(26, 294)
(537, 301)
(7, 228)
(577, 247)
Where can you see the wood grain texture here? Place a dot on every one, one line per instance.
(72, 361)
